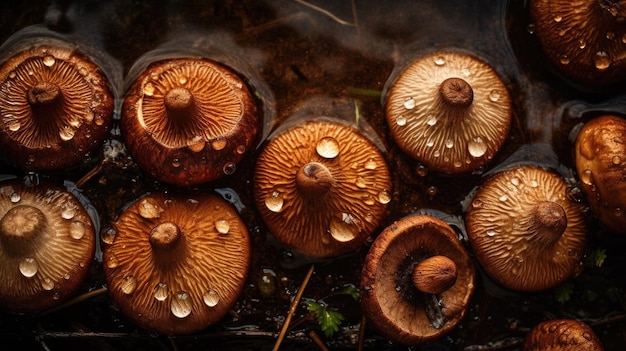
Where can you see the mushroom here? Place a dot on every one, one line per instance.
(321, 187)
(600, 157)
(187, 121)
(414, 311)
(583, 39)
(449, 110)
(176, 264)
(524, 230)
(562, 335)
(47, 243)
(56, 106)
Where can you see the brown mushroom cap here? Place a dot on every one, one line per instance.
(47, 243)
(525, 231)
(187, 121)
(600, 156)
(561, 335)
(583, 39)
(450, 111)
(176, 265)
(56, 106)
(390, 301)
(322, 187)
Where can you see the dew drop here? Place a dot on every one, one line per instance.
(108, 236)
(218, 144)
(515, 181)
(12, 74)
(534, 183)
(409, 103)
(477, 203)
(361, 183)
(384, 197)
(181, 305)
(530, 28)
(494, 95)
(564, 59)
(67, 133)
(558, 18)
(182, 80)
(432, 120)
(222, 226)
(77, 230)
(229, 168)
(503, 198)
(477, 147)
(129, 284)
(14, 126)
(240, 149)
(440, 61)
(148, 89)
(449, 143)
(148, 209)
(581, 44)
(370, 164)
(160, 292)
(49, 60)
(587, 177)
(274, 201)
(602, 60)
(491, 232)
(343, 228)
(401, 121)
(113, 262)
(196, 144)
(327, 147)
(616, 160)
(83, 71)
(211, 298)
(610, 35)
(175, 162)
(430, 143)
(28, 267)
(47, 284)
(617, 212)
(15, 197)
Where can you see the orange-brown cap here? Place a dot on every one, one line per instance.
(583, 39)
(524, 230)
(449, 110)
(391, 300)
(600, 157)
(322, 187)
(562, 335)
(47, 244)
(187, 121)
(177, 264)
(56, 106)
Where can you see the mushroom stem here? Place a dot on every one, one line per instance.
(164, 236)
(549, 220)
(43, 93)
(178, 100)
(314, 179)
(22, 222)
(456, 92)
(434, 275)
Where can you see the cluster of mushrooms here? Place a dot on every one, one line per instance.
(324, 198)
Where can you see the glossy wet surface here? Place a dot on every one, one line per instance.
(333, 60)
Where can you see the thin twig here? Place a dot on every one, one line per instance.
(82, 181)
(361, 341)
(76, 300)
(317, 340)
(292, 308)
(325, 12)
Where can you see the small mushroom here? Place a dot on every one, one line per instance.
(600, 157)
(583, 39)
(56, 106)
(524, 230)
(321, 187)
(450, 111)
(562, 335)
(188, 121)
(47, 244)
(417, 280)
(174, 264)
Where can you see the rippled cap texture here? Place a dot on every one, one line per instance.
(189, 121)
(562, 335)
(584, 39)
(176, 264)
(56, 106)
(47, 244)
(389, 300)
(322, 187)
(524, 229)
(450, 111)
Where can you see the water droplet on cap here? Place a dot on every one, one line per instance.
(49, 60)
(112, 262)
(67, 133)
(409, 103)
(218, 144)
(440, 61)
(28, 267)
(401, 121)
(15, 197)
(211, 298)
(160, 292)
(148, 89)
(77, 230)
(477, 147)
(384, 197)
(327, 147)
(222, 226)
(343, 228)
(47, 284)
(274, 201)
(181, 305)
(148, 209)
(602, 60)
(14, 126)
(229, 168)
(129, 284)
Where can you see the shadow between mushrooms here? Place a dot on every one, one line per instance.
(56, 106)
(524, 230)
(394, 303)
(47, 244)
(188, 121)
(177, 264)
(322, 187)
(449, 110)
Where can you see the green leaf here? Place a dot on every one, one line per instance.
(328, 319)
(349, 290)
(597, 257)
(564, 292)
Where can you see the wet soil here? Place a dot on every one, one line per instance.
(316, 64)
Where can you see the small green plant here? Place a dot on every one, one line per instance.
(330, 318)
(597, 257)
(564, 292)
